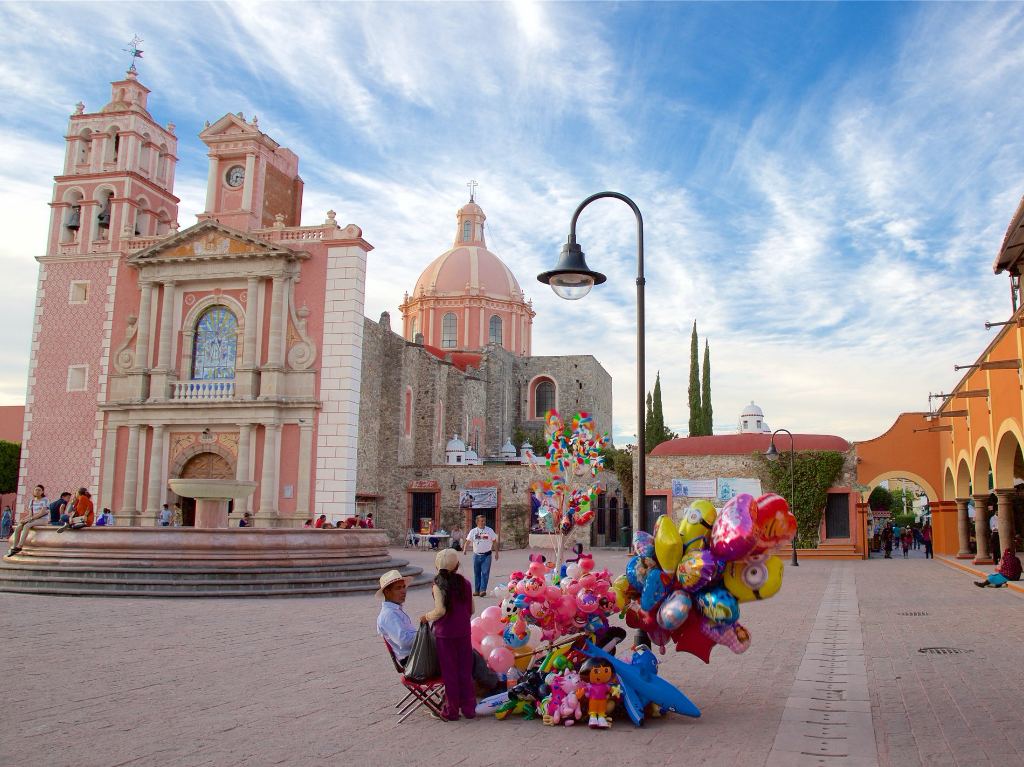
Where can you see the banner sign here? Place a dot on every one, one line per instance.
(478, 498)
(693, 488)
(730, 487)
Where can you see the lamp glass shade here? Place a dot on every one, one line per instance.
(570, 286)
(772, 454)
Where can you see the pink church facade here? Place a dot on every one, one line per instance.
(230, 348)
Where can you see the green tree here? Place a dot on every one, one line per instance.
(902, 502)
(621, 462)
(705, 393)
(10, 459)
(880, 499)
(655, 421)
(696, 415)
(649, 436)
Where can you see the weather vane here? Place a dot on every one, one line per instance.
(134, 50)
(472, 189)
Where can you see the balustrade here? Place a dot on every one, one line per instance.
(203, 391)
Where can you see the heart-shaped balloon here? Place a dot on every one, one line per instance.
(774, 523)
(697, 569)
(733, 534)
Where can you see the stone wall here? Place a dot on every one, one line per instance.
(581, 383)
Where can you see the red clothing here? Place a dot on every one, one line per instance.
(1010, 566)
(84, 508)
(319, 523)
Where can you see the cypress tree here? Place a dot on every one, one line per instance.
(696, 420)
(705, 391)
(649, 435)
(657, 414)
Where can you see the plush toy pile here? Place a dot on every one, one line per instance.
(685, 583)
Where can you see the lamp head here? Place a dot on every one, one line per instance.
(571, 278)
(772, 454)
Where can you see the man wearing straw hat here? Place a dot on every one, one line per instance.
(395, 625)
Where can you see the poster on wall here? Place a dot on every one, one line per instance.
(478, 498)
(693, 488)
(730, 487)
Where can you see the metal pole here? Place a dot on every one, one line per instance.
(639, 482)
(792, 490)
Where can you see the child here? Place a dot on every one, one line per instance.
(453, 607)
(597, 675)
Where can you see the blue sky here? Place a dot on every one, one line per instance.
(824, 186)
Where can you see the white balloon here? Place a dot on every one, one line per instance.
(573, 570)
(500, 591)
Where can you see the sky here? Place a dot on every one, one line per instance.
(824, 187)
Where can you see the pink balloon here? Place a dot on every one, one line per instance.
(491, 626)
(734, 535)
(552, 593)
(491, 642)
(501, 660)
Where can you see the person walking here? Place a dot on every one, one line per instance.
(453, 608)
(887, 536)
(926, 536)
(905, 539)
(6, 523)
(485, 545)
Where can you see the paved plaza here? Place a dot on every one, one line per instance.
(835, 665)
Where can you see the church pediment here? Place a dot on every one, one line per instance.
(211, 240)
(233, 127)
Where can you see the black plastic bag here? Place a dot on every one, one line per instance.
(422, 663)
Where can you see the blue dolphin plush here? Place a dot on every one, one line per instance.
(641, 684)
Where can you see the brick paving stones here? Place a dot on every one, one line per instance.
(307, 682)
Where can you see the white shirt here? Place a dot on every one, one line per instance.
(482, 539)
(395, 625)
(993, 522)
(36, 506)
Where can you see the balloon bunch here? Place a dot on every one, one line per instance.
(685, 583)
(542, 604)
(566, 495)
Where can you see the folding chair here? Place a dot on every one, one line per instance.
(429, 693)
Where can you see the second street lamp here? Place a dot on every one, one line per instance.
(772, 454)
(572, 279)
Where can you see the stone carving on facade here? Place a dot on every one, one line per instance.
(124, 357)
(301, 349)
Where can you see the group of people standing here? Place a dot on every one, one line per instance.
(64, 513)
(906, 538)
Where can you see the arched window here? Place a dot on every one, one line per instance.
(449, 331)
(494, 330)
(84, 146)
(467, 231)
(216, 340)
(144, 153)
(543, 398)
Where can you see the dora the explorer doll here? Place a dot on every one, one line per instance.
(597, 676)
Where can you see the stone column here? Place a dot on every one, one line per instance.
(142, 335)
(164, 365)
(963, 529)
(212, 182)
(981, 531)
(131, 477)
(246, 376)
(242, 468)
(250, 181)
(305, 469)
(1005, 521)
(109, 463)
(156, 473)
(188, 339)
(270, 378)
(268, 478)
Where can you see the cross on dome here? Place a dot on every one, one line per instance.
(472, 190)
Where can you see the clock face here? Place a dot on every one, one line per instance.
(236, 175)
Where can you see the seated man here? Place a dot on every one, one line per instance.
(395, 625)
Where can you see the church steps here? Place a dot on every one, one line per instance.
(142, 583)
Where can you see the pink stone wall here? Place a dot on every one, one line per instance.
(289, 467)
(59, 450)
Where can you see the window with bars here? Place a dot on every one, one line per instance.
(449, 331)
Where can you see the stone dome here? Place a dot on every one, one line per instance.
(455, 445)
(752, 420)
(752, 411)
(468, 270)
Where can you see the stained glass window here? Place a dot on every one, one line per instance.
(213, 356)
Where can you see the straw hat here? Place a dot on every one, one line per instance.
(391, 576)
(447, 559)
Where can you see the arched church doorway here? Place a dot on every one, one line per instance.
(203, 466)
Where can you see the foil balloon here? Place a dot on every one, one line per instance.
(637, 618)
(643, 543)
(695, 526)
(654, 590)
(733, 534)
(752, 579)
(587, 601)
(697, 569)
(636, 571)
(509, 635)
(674, 610)
(668, 544)
(718, 605)
(623, 592)
(734, 636)
(773, 522)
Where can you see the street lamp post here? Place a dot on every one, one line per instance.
(572, 279)
(772, 454)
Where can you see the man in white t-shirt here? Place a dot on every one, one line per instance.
(36, 509)
(484, 542)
